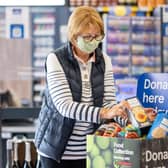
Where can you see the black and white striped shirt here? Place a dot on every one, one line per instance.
(84, 112)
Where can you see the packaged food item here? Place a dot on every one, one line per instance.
(130, 132)
(139, 116)
(159, 128)
(142, 3)
(160, 2)
(113, 129)
(151, 4)
(110, 130)
(100, 131)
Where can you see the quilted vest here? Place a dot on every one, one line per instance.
(53, 130)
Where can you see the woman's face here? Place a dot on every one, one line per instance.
(91, 32)
(88, 40)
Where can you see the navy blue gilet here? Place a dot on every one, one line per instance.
(53, 130)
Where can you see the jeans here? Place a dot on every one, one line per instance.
(50, 163)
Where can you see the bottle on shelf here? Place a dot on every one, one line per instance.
(9, 151)
(151, 4)
(72, 2)
(142, 4)
(121, 2)
(94, 3)
(86, 2)
(131, 2)
(28, 160)
(38, 164)
(15, 163)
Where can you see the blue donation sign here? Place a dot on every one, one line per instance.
(152, 91)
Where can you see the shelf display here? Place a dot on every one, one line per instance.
(43, 36)
(133, 43)
(92, 2)
(162, 17)
(48, 33)
(145, 48)
(150, 4)
(117, 43)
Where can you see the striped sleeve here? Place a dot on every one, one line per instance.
(62, 97)
(109, 86)
(110, 92)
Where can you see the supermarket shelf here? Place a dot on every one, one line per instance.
(19, 113)
(44, 21)
(8, 131)
(110, 8)
(43, 33)
(43, 10)
(20, 116)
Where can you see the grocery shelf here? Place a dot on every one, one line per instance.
(43, 35)
(20, 115)
(46, 37)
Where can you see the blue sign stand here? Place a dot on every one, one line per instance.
(152, 91)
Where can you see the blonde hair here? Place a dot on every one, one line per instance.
(80, 20)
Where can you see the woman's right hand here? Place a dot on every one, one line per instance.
(119, 109)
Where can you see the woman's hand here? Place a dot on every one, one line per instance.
(119, 109)
(151, 113)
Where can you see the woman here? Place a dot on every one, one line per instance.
(79, 95)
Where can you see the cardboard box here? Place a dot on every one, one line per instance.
(110, 152)
(107, 152)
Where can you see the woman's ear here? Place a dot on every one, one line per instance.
(73, 40)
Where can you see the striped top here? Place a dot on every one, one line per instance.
(84, 113)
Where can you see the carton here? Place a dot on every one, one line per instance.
(110, 152)
(137, 115)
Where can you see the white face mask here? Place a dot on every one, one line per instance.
(87, 47)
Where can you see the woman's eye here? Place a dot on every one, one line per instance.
(88, 37)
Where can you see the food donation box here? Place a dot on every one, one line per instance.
(147, 149)
(107, 152)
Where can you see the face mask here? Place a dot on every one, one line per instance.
(87, 47)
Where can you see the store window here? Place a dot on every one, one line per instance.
(27, 35)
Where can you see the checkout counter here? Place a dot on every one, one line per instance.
(16, 122)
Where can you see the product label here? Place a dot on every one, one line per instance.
(138, 116)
